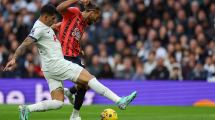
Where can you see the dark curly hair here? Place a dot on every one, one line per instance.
(92, 7)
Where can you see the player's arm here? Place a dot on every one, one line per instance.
(19, 51)
(56, 26)
(63, 7)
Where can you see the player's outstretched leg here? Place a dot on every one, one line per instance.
(86, 78)
(55, 103)
(39, 107)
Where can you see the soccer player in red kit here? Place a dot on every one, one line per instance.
(70, 32)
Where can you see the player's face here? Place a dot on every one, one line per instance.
(50, 19)
(94, 16)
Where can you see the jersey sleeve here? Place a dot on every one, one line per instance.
(35, 34)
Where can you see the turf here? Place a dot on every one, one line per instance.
(9, 112)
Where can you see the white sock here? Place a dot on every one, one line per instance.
(102, 90)
(75, 113)
(45, 105)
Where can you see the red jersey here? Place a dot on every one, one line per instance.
(70, 32)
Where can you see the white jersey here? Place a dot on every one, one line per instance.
(54, 66)
(49, 47)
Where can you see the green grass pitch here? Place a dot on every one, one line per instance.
(10, 112)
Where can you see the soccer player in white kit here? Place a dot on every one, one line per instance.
(56, 68)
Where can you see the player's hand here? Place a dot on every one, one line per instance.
(10, 65)
(85, 2)
(56, 26)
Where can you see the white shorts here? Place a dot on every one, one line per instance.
(65, 70)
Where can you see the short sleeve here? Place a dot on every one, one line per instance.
(35, 34)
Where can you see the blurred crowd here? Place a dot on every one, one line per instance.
(135, 39)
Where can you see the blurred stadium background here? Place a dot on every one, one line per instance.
(165, 49)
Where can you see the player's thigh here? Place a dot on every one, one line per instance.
(55, 87)
(73, 72)
(78, 61)
(78, 74)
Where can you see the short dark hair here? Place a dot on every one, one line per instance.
(48, 9)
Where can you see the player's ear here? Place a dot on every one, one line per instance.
(46, 17)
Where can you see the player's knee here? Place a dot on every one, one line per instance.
(58, 94)
(58, 104)
(84, 78)
(91, 76)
